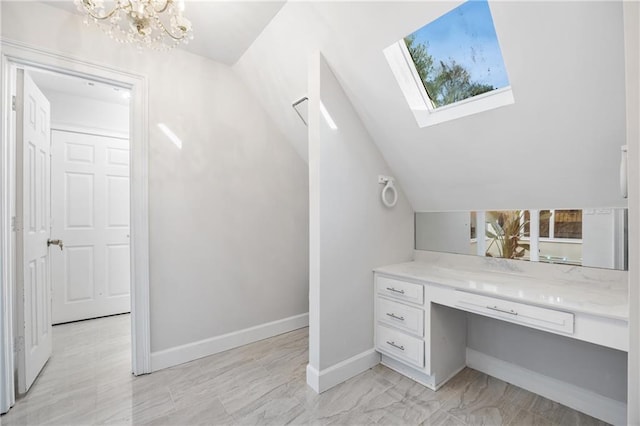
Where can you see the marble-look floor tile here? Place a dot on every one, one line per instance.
(391, 408)
(350, 396)
(210, 412)
(87, 381)
(351, 418)
(251, 388)
(279, 406)
(560, 414)
(527, 418)
(484, 401)
(442, 418)
(137, 403)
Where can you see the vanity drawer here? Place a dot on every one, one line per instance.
(519, 313)
(400, 290)
(400, 316)
(400, 345)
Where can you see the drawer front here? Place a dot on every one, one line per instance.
(400, 345)
(400, 290)
(519, 313)
(400, 316)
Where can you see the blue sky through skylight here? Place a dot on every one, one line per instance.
(466, 34)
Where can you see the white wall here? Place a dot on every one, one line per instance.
(352, 232)
(557, 146)
(228, 211)
(91, 114)
(632, 81)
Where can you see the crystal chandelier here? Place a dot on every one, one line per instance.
(157, 24)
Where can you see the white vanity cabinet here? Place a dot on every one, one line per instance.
(421, 314)
(400, 320)
(416, 338)
(420, 322)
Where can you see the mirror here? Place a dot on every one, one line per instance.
(589, 237)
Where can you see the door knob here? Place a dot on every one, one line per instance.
(55, 243)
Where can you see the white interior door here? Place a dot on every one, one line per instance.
(90, 210)
(33, 191)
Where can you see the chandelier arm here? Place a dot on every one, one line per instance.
(127, 7)
(164, 8)
(169, 33)
(102, 18)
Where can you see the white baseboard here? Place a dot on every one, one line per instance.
(323, 380)
(191, 351)
(591, 403)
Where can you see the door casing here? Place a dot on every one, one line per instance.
(16, 55)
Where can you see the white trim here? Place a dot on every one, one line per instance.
(591, 403)
(557, 240)
(191, 351)
(74, 128)
(327, 378)
(23, 55)
(7, 396)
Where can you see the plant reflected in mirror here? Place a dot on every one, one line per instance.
(505, 229)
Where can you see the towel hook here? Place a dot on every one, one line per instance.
(387, 181)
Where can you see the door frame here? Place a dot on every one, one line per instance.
(20, 55)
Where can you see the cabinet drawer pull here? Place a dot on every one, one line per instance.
(395, 346)
(394, 316)
(504, 311)
(395, 290)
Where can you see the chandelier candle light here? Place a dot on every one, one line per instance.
(156, 24)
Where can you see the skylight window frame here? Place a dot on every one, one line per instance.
(416, 77)
(427, 114)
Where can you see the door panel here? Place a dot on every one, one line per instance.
(79, 274)
(117, 202)
(90, 201)
(76, 153)
(80, 200)
(117, 270)
(33, 212)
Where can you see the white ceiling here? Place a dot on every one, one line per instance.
(49, 81)
(558, 146)
(223, 30)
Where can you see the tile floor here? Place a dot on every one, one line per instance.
(87, 381)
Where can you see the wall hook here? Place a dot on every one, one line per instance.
(387, 181)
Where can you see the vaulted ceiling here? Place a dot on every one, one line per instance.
(224, 29)
(558, 146)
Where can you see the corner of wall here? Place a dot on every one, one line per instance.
(351, 231)
(323, 380)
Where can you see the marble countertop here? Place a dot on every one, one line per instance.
(604, 298)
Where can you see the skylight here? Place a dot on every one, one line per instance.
(453, 62)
